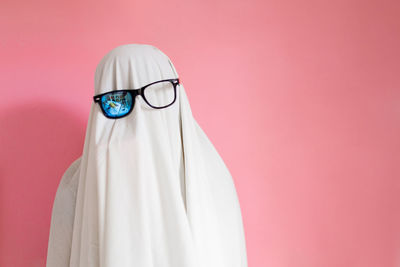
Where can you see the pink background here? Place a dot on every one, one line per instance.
(300, 98)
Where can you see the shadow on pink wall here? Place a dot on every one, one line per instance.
(38, 140)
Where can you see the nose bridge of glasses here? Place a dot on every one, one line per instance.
(134, 92)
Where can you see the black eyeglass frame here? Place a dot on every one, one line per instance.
(134, 93)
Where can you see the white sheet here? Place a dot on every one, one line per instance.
(150, 189)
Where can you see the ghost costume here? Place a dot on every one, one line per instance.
(150, 189)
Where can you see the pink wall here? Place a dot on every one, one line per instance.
(303, 105)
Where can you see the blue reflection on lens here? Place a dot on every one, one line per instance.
(116, 104)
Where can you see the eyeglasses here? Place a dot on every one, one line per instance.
(119, 103)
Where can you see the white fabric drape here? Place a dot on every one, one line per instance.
(150, 189)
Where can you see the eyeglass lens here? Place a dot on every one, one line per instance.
(116, 104)
(160, 94)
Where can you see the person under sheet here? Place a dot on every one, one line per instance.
(150, 189)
